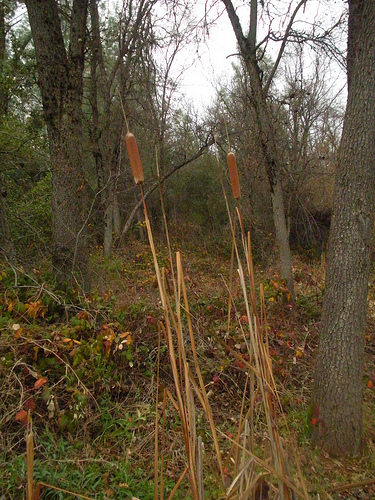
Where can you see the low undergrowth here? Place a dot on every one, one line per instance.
(86, 370)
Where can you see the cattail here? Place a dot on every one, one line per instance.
(233, 174)
(135, 160)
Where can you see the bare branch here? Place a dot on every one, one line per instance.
(282, 48)
(152, 188)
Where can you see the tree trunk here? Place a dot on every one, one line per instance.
(61, 84)
(282, 236)
(273, 157)
(338, 379)
(6, 242)
(4, 97)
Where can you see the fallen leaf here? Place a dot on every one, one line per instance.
(29, 405)
(22, 417)
(83, 315)
(106, 347)
(34, 308)
(370, 384)
(41, 381)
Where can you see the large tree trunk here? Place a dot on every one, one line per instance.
(61, 85)
(338, 379)
(6, 242)
(3, 91)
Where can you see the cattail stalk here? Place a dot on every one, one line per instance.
(135, 159)
(233, 174)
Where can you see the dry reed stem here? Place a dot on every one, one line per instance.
(177, 374)
(261, 355)
(177, 485)
(350, 486)
(78, 495)
(30, 457)
(199, 460)
(156, 452)
(163, 446)
(166, 227)
(207, 406)
(269, 468)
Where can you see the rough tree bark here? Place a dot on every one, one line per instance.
(61, 84)
(338, 378)
(6, 242)
(273, 157)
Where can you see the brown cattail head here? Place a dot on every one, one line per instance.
(135, 159)
(233, 174)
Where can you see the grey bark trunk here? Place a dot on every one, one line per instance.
(282, 236)
(338, 388)
(6, 242)
(61, 84)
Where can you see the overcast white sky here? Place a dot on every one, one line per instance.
(213, 63)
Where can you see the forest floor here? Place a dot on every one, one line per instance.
(86, 368)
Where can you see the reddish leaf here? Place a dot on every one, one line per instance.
(22, 417)
(314, 421)
(370, 384)
(83, 315)
(106, 347)
(41, 381)
(29, 405)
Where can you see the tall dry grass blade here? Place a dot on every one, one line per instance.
(199, 462)
(179, 331)
(239, 430)
(166, 225)
(269, 468)
(153, 251)
(182, 410)
(207, 406)
(236, 442)
(163, 445)
(230, 285)
(239, 477)
(62, 490)
(252, 403)
(191, 414)
(257, 488)
(30, 458)
(183, 416)
(243, 456)
(156, 447)
(177, 485)
(176, 374)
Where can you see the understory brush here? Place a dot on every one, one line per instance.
(86, 370)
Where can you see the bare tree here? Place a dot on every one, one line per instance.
(111, 78)
(252, 52)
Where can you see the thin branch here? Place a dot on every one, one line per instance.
(156, 184)
(283, 45)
